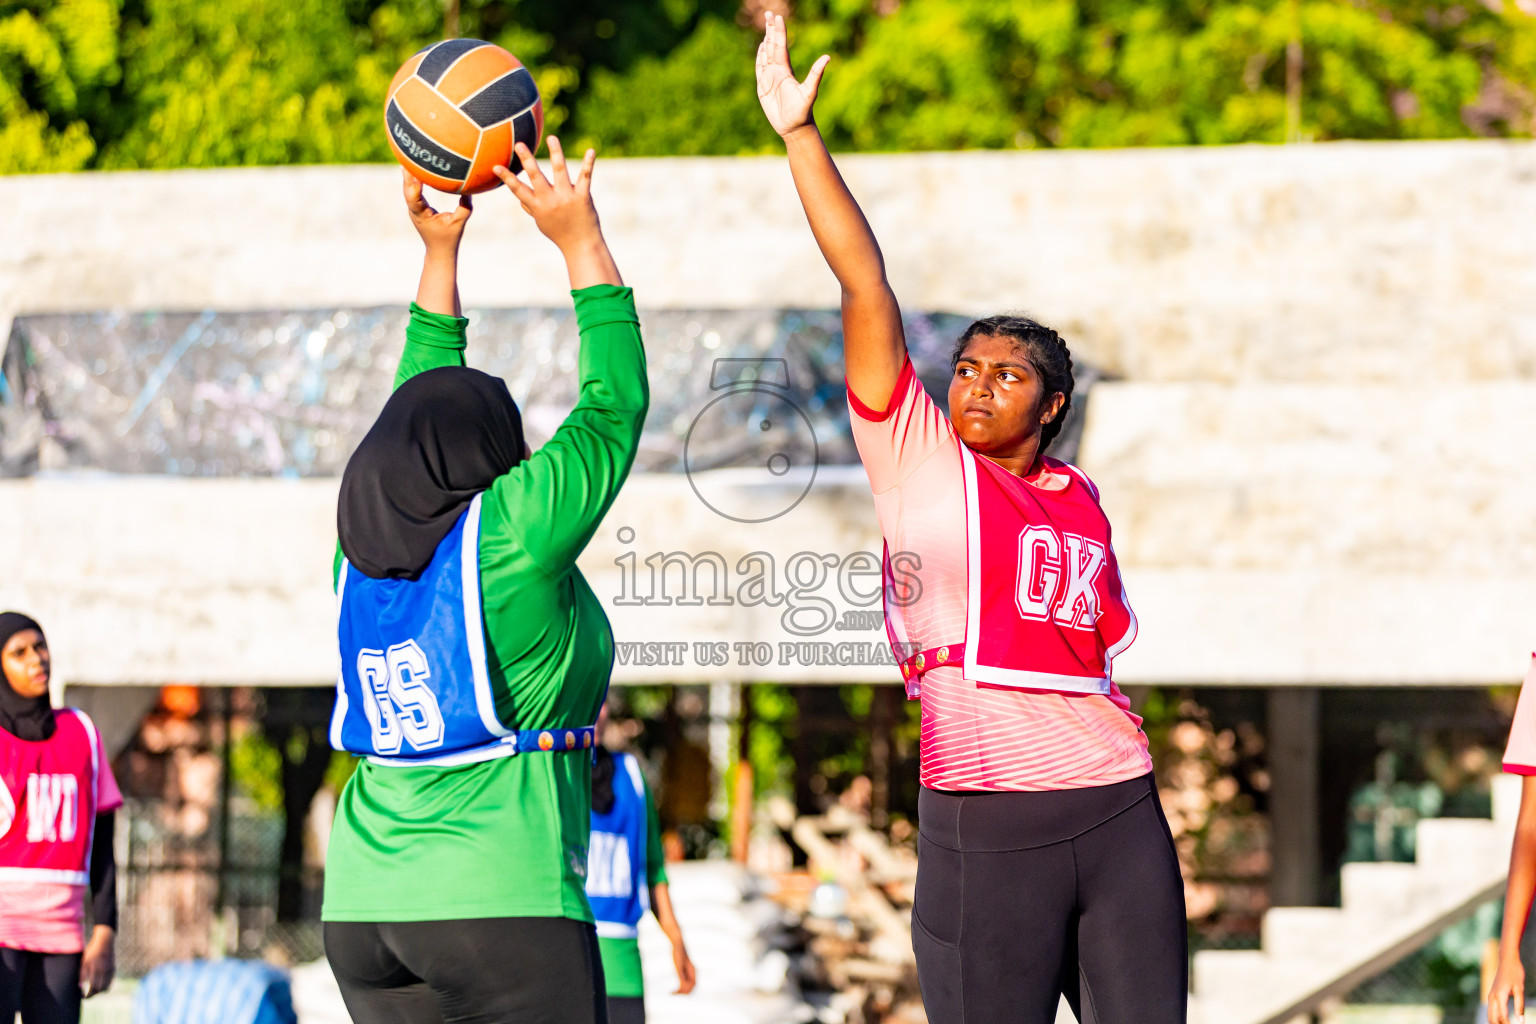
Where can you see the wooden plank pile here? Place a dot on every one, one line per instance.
(855, 904)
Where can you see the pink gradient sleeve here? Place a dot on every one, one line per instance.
(894, 442)
(108, 796)
(1520, 755)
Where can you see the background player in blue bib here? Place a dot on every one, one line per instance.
(626, 876)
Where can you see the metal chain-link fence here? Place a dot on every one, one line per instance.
(189, 887)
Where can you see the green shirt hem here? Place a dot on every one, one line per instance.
(456, 912)
(622, 972)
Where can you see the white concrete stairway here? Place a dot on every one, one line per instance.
(1311, 954)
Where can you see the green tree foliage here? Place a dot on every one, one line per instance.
(699, 99)
(947, 74)
(566, 41)
(188, 83)
(243, 82)
(57, 61)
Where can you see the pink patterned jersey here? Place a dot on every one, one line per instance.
(988, 734)
(50, 794)
(1520, 755)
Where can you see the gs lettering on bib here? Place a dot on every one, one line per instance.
(1045, 606)
(47, 803)
(413, 687)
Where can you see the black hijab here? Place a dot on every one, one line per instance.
(444, 436)
(26, 718)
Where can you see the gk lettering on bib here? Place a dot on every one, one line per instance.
(1046, 608)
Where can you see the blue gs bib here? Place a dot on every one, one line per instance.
(413, 687)
(616, 868)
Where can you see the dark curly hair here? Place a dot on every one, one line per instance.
(1047, 353)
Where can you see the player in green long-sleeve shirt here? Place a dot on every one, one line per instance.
(455, 877)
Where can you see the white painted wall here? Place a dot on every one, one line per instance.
(1369, 261)
(1318, 462)
(1341, 533)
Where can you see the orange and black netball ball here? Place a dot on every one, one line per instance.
(454, 111)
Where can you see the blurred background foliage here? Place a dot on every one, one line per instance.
(100, 84)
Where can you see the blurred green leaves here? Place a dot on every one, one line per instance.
(57, 61)
(957, 74)
(186, 83)
(700, 99)
(248, 82)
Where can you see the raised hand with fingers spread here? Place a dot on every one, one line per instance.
(786, 101)
(872, 333)
(564, 212)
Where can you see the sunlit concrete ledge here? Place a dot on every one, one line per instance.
(143, 579)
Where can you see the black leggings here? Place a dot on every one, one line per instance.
(499, 970)
(1025, 897)
(626, 1010)
(44, 987)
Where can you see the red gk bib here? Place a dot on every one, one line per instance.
(1045, 607)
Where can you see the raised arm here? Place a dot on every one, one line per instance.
(873, 343)
(557, 497)
(435, 335)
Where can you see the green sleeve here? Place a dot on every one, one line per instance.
(431, 340)
(655, 857)
(555, 500)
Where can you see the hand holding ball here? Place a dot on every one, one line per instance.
(454, 111)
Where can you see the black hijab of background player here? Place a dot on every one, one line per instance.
(603, 766)
(26, 718)
(444, 436)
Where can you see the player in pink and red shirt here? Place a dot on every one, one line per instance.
(1045, 864)
(57, 798)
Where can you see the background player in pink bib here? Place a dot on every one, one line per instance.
(1045, 864)
(57, 795)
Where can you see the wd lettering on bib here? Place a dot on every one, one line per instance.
(47, 804)
(53, 808)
